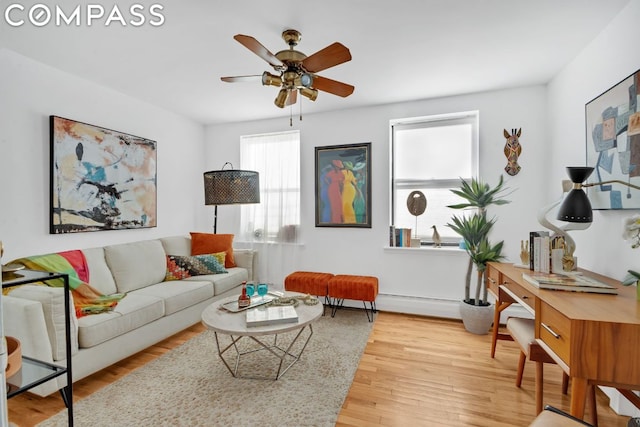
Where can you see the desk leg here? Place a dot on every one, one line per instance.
(500, 306)
(578, 396)
(539, 385)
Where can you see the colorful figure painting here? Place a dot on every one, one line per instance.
(613, 145)
(343, 189)
(100, 179)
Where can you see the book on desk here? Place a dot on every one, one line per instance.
(263, 316)
(568, 282)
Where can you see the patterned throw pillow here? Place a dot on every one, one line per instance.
(181, 267)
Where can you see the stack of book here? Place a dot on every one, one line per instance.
(568, 282)
(399, 237)
(263, 316)
(539, 252)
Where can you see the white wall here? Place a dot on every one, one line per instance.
(29, 93)
(434, 277)
(612, 56)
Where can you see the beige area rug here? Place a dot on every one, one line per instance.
(189, 386)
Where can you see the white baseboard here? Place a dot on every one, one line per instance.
(448, 309)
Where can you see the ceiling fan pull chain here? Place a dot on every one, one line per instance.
(301, 101)
(291, 116)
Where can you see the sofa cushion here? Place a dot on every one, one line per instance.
(52, 300)
(223, 282)
(136, 265)
(131, 312)
(176, 245)
(100, 277)
(181, 267)
(178, 295)
(207, 243)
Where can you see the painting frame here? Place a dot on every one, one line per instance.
(612, 127)
(335, 165)
(100, 179)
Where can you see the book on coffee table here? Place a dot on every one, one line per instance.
(263, 316)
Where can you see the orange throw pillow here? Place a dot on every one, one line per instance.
(207, 243)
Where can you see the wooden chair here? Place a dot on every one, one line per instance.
(522, 331)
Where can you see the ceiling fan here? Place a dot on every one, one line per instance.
(296, 72)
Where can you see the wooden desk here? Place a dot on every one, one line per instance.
(594, 338)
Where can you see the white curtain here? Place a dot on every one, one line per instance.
(271, 227)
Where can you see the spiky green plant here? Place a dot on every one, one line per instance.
(474, 230)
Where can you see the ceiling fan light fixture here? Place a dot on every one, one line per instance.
(312, 94)
(281, 99)
(269, 79)
(306, 80)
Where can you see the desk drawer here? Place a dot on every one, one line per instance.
(522, 295)
(493, 279)
(555, 331)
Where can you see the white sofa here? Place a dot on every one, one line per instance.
(152, 310)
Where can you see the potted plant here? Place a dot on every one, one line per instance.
(474, 229)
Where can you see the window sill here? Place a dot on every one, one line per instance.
(245, 243)
(448, 249)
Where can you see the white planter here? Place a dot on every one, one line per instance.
(477, 319)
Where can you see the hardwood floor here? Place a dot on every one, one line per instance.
(415, 371)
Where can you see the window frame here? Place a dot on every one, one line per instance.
(272, 236)
(449, 119)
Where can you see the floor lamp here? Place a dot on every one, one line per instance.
(230, 187)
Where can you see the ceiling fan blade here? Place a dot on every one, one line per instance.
(256, 47)
(242, 79)
(292, 98)
(328, 57)
(332, 86)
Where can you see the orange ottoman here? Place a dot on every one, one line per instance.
(308, 282)
(360, 288)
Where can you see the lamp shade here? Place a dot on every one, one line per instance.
(231, 186)
(576, 207)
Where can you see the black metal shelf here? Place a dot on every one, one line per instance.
(34, 372)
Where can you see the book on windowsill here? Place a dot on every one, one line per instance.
(263, 316)
(568, 282)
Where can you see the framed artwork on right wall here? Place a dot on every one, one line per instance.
(613, 145)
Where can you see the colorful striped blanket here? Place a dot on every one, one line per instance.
(86, 299)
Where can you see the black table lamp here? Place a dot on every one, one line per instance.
(576, 206)
(230, 187)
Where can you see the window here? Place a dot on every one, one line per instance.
(276, 157)
(431, 154)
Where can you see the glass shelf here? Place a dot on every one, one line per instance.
(34, 372)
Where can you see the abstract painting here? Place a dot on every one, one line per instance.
(613, 145)
(101, 179)
(343, 185)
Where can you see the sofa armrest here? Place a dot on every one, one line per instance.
(246, 258)
(51, 300)
(24, 319)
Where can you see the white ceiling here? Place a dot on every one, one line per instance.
(402, 50)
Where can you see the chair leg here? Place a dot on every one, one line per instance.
(565, 383)
(539, 385)
(521, 361)
(593, 404)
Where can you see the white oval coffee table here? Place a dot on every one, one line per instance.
(233, 324)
